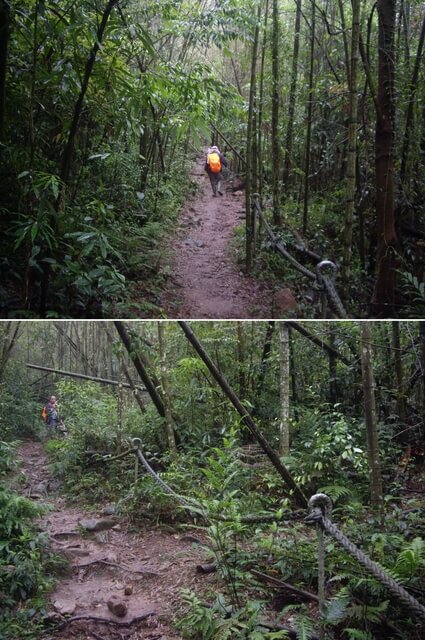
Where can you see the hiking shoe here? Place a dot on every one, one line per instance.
(221, 193)
(214, 195)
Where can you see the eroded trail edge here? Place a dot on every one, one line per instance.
(140, 574)
(206, 281)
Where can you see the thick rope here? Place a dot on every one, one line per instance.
(319, 508)
(136, 443)
(324, 281)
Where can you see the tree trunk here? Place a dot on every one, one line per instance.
(166, 395)
(404, 177)
(422, 362)
(398, 367)
(249, 149)
(284, 389)
(275, 116)
(309, 117)
(383, 294)
(78, 107)
(8, 336)
(292, 98)
(265, 357)
(260, 171)
(241, 359)
(4, 41)
(376, 492)
(332, 367)
(350, 188)
(140, 368)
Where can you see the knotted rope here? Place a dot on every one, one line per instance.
(319, 507)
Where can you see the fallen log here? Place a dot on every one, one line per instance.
(305, 595)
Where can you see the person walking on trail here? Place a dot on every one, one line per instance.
(50, 412)
(213, 166)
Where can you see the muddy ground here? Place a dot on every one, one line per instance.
(139, 572)
(206, 280)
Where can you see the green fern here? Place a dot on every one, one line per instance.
(369, 613)
(336, 608)
(304, 628)
(336, 492)
(410, 560)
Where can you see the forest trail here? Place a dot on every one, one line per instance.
(153, 564)
(206, 281)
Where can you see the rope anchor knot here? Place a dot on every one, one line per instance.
(319, 507)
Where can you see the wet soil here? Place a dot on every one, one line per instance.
(206, 281)
(152, 566)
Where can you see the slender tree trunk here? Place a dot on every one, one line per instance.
(284, 389)
(376, 491)
(332, 367)
(78, 107)
(9, 334)
(265, 358)
(383, 294)
(275, 116)
(309, 117)
(404, 177)
(422, 360)
(4, 41)
(350, 189)
(260, 171)
(249, 148)
(241, 359)
(166, 395)
(140, 368)
(398, 367)
(292, 99)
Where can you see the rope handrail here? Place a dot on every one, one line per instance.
(319, 506)
(324, 281)
(319, 514)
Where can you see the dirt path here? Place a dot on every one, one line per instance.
(153, 565)
(206, 282)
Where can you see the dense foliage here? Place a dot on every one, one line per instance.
(103, 107)
(229, 488)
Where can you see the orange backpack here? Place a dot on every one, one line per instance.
(44, 414)
(214, 162)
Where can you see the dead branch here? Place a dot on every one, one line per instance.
(103, 620)
(305, 595)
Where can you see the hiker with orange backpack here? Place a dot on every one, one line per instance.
(50, 412)
(213, 166)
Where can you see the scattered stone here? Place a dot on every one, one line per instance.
(64, 606)
(128, 590)
(94, 524)
(199, 243)
(55, 485)
(284, 302)
(117, 607)
(109, 510)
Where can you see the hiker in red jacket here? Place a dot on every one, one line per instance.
(213, 166)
